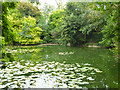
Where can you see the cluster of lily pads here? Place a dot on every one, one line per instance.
(27, 74)
(21, 51)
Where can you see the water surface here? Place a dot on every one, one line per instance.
(38, 66)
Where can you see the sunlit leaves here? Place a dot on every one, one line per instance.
(23, 29)
(28, 33)
(6, 25)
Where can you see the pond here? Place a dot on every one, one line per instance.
(59, 67)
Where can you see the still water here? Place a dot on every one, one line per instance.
(60, 67)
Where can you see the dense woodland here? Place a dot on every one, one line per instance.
(76, 23)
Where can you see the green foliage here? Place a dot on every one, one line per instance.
(70, 32)
(75, 18)
(2, 46)
(24, 29)
(7, 34)
(6, 26)
(29, 33)
(43, 23)
(14, 17)
(46, 10)
(2, 41)
(27, 9)
(74, 24)
(110, 30)
(54, 22)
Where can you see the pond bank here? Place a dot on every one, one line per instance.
(54, 44)
(32, 44)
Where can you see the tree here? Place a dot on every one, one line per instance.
(110, 30)
(29, 34)
(7, 34)
(81, 21)
(27, 9)
(76, 17)
(25, 29)
(47, 9)
(14, 17)
(6, 26)
(54, 22)
(74, 23)
(43, 23)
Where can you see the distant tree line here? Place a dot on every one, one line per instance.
(78, 23)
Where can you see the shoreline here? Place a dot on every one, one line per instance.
(57, 44)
